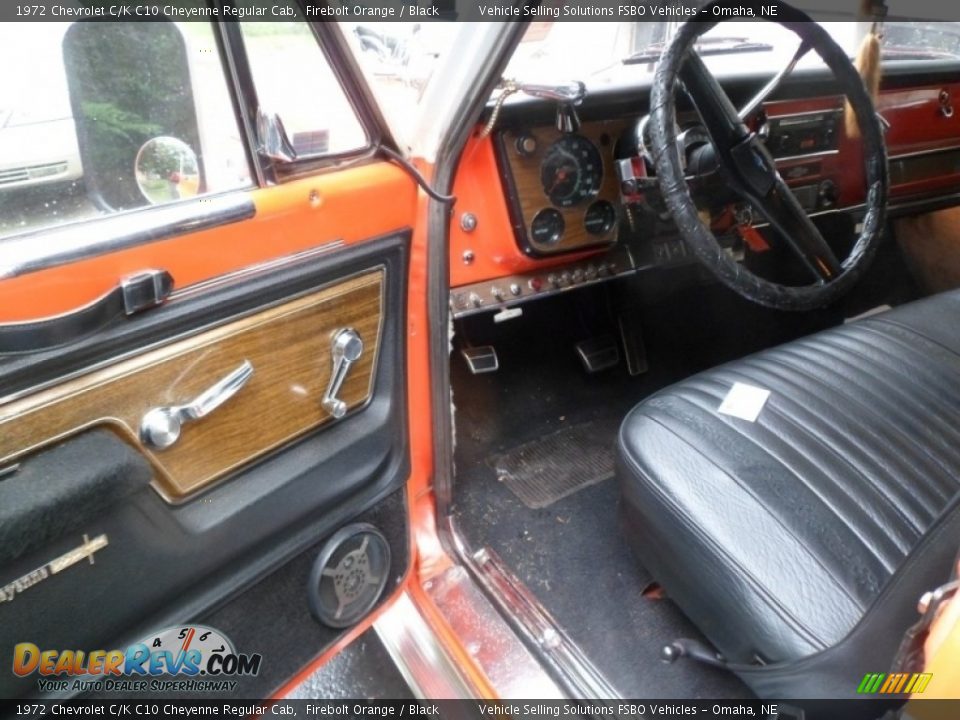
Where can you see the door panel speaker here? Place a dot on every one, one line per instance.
(348, 575)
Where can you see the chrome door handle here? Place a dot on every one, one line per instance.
(346, 348)
(161, 426)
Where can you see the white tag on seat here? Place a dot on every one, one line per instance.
(744, 402)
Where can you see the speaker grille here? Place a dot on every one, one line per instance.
(349, 575)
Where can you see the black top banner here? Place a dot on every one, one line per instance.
(457, 10)
(477, 710)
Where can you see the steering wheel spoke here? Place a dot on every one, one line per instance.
(720, 117)
(767, 90)
(787, 215)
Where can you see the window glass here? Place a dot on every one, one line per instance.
(398, 60)
(295, 82)
(101, 118)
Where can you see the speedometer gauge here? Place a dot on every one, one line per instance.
(572, 171)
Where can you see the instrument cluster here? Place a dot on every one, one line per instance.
(564, 190)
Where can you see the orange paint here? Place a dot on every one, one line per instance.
(356, 204)
(428, 557)
(479, 190)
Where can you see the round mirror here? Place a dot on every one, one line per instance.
(167, 170)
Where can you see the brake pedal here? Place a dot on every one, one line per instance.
(481, 359)
(635, 350)
(598, 353)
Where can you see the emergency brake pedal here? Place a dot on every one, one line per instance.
(481, 359)
(598, 353)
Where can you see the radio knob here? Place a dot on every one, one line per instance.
(827, 194)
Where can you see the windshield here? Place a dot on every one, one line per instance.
(399, 58)
(603, 49)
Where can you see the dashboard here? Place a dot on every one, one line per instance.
(541, 211)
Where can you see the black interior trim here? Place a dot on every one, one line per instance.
(291, 638)
(128, 297)
(165, 564)
(57, 490)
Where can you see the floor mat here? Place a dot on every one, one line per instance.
(550, 468)
(571, 554)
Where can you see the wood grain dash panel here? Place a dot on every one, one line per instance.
(525, 172)
(289, 347)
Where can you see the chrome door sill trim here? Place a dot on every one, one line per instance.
(418, 654)
(562, 657)
(511, 669)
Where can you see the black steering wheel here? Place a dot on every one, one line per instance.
(750, 170)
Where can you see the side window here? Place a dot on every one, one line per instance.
(294, 81)
(111, 116)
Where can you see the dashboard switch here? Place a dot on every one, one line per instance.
(475, 299)
(515, 289)
(526, 145)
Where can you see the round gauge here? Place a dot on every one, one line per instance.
(572, 171)
(547, 227)
(600, 218)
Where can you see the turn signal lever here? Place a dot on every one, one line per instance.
(346, 348)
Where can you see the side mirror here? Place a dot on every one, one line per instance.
(272, 139)
(167, 169)
(128, 82)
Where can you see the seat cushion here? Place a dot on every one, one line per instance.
(775, 536)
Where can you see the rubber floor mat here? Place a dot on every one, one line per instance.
(545, 470)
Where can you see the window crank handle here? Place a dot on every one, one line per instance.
(346, 348)
(161, 426)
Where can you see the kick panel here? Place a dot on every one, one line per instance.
(235, 392)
